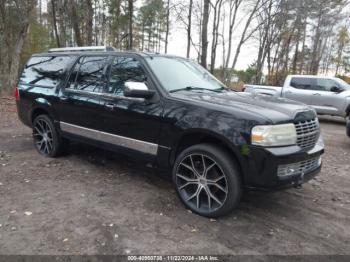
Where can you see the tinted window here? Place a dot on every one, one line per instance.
(326, 84)
(124, 69)
(303, 83)
(73, 75)
(88, 73)
(46, 70)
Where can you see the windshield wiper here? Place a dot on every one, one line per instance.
(190, 88)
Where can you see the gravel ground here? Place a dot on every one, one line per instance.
(96, 202)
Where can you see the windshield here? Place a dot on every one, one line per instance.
(343, 84)
(178, 73)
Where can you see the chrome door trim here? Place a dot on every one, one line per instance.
(82, 92)
(116, 97)
(103, 95)
(138, 145)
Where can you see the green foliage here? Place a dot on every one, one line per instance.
(151, 23)
(247, 75)
(345, 78)
(39, 39)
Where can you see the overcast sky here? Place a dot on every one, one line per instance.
(178, 39)
(178, 46)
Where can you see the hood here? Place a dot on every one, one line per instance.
(271, 108)
(345, 93)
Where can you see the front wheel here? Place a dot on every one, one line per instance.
(207, 180)
(47, 140)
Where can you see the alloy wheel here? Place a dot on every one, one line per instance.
(201, 183)
(43, 138)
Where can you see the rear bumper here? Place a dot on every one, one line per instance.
(264, 163)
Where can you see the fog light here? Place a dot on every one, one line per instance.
(302, 167)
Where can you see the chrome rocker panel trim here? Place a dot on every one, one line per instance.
(138, 145)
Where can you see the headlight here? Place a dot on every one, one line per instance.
(274, 135)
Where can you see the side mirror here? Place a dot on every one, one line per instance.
(137, 90)
(336, 89)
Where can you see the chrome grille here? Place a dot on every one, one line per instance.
(299, 168)
(307, 133)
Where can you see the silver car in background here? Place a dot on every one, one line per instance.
(328, 95)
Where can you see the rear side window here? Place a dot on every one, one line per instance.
(303, 83)
(124, 69)
(46, 71)
(88, 74)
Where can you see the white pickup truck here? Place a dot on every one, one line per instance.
(328, 95)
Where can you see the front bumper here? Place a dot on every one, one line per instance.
(263, 166)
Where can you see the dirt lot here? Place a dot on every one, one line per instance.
(96, 202)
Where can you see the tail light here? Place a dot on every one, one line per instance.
(17, 94)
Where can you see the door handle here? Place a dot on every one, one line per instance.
(110, 106)
(288, 92)
(316, 94)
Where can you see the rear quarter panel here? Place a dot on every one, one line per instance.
(33, 98)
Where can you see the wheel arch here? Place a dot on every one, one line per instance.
(347, 111)
(200, 136)
(41, 106)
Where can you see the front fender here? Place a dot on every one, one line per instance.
(347, 106)
(233, 133)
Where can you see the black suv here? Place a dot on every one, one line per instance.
(170, 112)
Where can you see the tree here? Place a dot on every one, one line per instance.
(152, 21)
(54, 21)
(204, 52)
(234, 6)
(189, 28)
(292, 36)
(89, 21)
(75, 22)
(14, 24)
(188, 13)
(215, 33)
(131, 14)
(167, 26)
(343, 39)
(245, 34)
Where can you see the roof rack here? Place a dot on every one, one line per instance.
(82, 48)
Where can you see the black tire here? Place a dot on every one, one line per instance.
(348, 127)
(47, 139)
(225, 165)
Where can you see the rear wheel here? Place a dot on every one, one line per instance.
(47, 140)
(207, 180)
